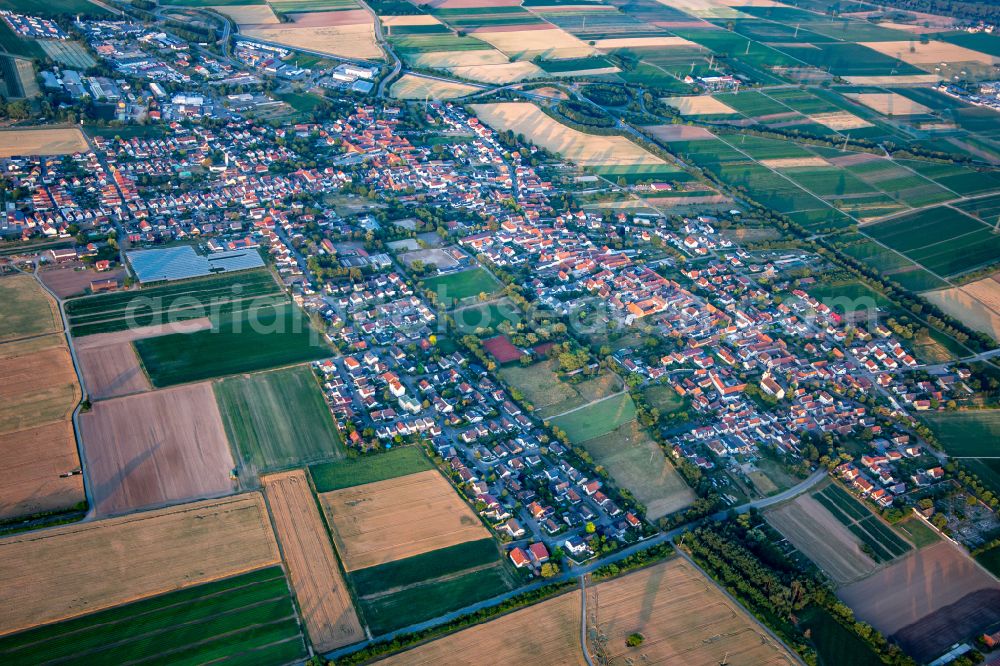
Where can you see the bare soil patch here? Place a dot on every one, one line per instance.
(154, 448)
(925, 581)
(935, 633)
(413, 19)
(546, 633)
(683, 617)
(34, 141)
(839, 120)
(822, 538)
(791, 162)
(74, 280)
(63, 572)
(390, 520)
(679, 133)
(323, 598)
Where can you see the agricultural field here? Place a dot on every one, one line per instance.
(583, 149)
(541, 386)
(326, 604)
(37, 443)
(835, 644)
(415, 87)
(683, 617)
(400, 593)
(977, 304)
(822, 538)
(258, 339)
(245, 619)
(397, 518)
(877, 539)
(34, 141)
(547, 633)
(278, 419)
(967, 433)
(218, 296)
(26, 309)
(130, 558)
(464, 284)
(109, 363)
(927, 601)
(139, 453)
(349, 34)
(918, 532)
(397, 462)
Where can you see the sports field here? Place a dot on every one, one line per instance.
(390, 520)
(130, 558)
(35, 141)
(246, 619)
(349, 472)
(326, 604)
(261, 338)
(278, 419)
(461, 285)
(547, 633)
(575, 146)
(683, 617)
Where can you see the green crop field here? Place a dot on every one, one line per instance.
(246, 619)
(426, 566)
(883, 544)
(635, 173)
(967, 433)
(461, 285)
(990, 560)
(369, 469)
(25, 309)
(425, 43)
(574, 64)
(425, 601)
(834, 644)
(261, 338)
(218, 297)
(846, 59)
(278, 419)
(596, 419)
(918, 532)
(54, 7)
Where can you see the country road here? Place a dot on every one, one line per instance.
(575, 572)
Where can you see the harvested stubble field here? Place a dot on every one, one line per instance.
(932, 54)
(37, 443)
(575, 146)
(278, 419)
(699, 105)
(889, 103)
(546, 633)
(249, 618)
(416, 87)
(683, 616)
(348, 41)
(33, 141)
(156, 447)
(553, 44)
(976, 304)
(499, 73)
(25, 309)
(907, 596)
(312, 566)
(822, 538)
(393, 519)
(109, 363)
(96, 565)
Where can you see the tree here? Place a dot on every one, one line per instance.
(591, 528)
(549, 570)
(635, 640)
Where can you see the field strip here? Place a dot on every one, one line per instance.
(140, 332)
(100, 564)
(326, 605)
(430, 581)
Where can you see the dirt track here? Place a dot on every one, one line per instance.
(815, 532)
(154, 448)
(389, 520)
(68, 571)
(323, 598)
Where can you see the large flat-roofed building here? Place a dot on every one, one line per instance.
(181, 263)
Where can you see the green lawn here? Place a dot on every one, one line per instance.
(261, 338)
(462, 285)
(918, 532)
(278, 419)
(968, 433)
(596, 419)
(663, 398)
(369, 469)
(491, 315)
(245, 619)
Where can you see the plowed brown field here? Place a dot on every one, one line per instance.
(323, 597)
(154, 448)
(388, 520)
(67, 571)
